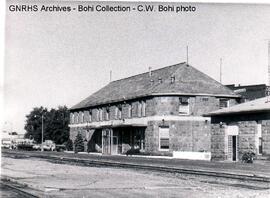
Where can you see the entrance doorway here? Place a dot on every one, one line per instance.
(232, 132)
(114, 148)
(234, 148)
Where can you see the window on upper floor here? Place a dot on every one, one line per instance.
(120, 112)
(100, 114)
(107, 113)
(130, 110)
(76, 118)
(71, 118)
(223, 103)
(139, 109)
(90, 116)
(81, 117)
(184, 105)
(143, 108)
(116, 112)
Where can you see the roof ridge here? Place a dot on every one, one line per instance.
(209, 77)
(148, 72)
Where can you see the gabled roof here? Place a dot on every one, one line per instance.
(188, 81)
(258, 105)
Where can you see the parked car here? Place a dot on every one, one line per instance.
(37, 147)
(48, 145)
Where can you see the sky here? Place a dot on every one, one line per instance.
(54, 59)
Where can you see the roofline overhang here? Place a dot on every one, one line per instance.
(158, 94)
(196, 94)
(237, 112)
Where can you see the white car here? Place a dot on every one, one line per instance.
(48, 145)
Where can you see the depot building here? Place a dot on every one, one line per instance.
(241, 128)
(157, 112)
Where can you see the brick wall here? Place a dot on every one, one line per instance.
(248, 130)
(218, 145)
(266, 136)
(184, 136)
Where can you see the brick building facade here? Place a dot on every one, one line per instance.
(239, 129)
(157, 112)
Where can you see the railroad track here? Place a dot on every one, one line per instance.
(87, 162)
(15, 189)
(105, 163)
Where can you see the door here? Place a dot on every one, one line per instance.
(114, 150)
(232, 132)
(234, 148)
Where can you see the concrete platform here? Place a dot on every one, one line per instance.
(258, 168)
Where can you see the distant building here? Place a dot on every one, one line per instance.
(8, 137)
(241, 128)
(157, 112)
(249, 92)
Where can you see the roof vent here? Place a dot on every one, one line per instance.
(159, 80)
(172, 79)
(152, 81)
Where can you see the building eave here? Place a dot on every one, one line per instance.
(155, 94)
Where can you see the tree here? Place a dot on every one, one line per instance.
(69, 145)
(33, 124)
(55, 124)
(78, 143)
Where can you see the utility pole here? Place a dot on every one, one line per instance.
(42, 132)
(187, 54)
(220, 70)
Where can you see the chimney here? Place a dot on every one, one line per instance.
(159, 80)
(152, 82)
(150, 71)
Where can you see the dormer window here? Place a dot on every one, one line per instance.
(172, 79)
(184, 105)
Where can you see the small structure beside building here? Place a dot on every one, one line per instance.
(157, 112)
(249, 92)
(241, 128)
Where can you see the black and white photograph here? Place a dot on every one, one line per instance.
(135, 99)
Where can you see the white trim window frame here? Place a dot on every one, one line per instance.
(164, 139)
(184, 106)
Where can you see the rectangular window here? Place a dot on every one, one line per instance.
(223, 103)
(71, 118)
(204, 99)
(100, 114)
(164, 138)
(143, 108)
(139, 109)
(76, 118)
(120, 112)
(116, 112)
(184, 105)
(107, 115)
(97, 114)
(90, 116)
(129, 110)
(82, 117)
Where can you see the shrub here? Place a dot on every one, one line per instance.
(248, 157)
(69, 145)
(133, 151)
(26, 147)
(79, 144)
